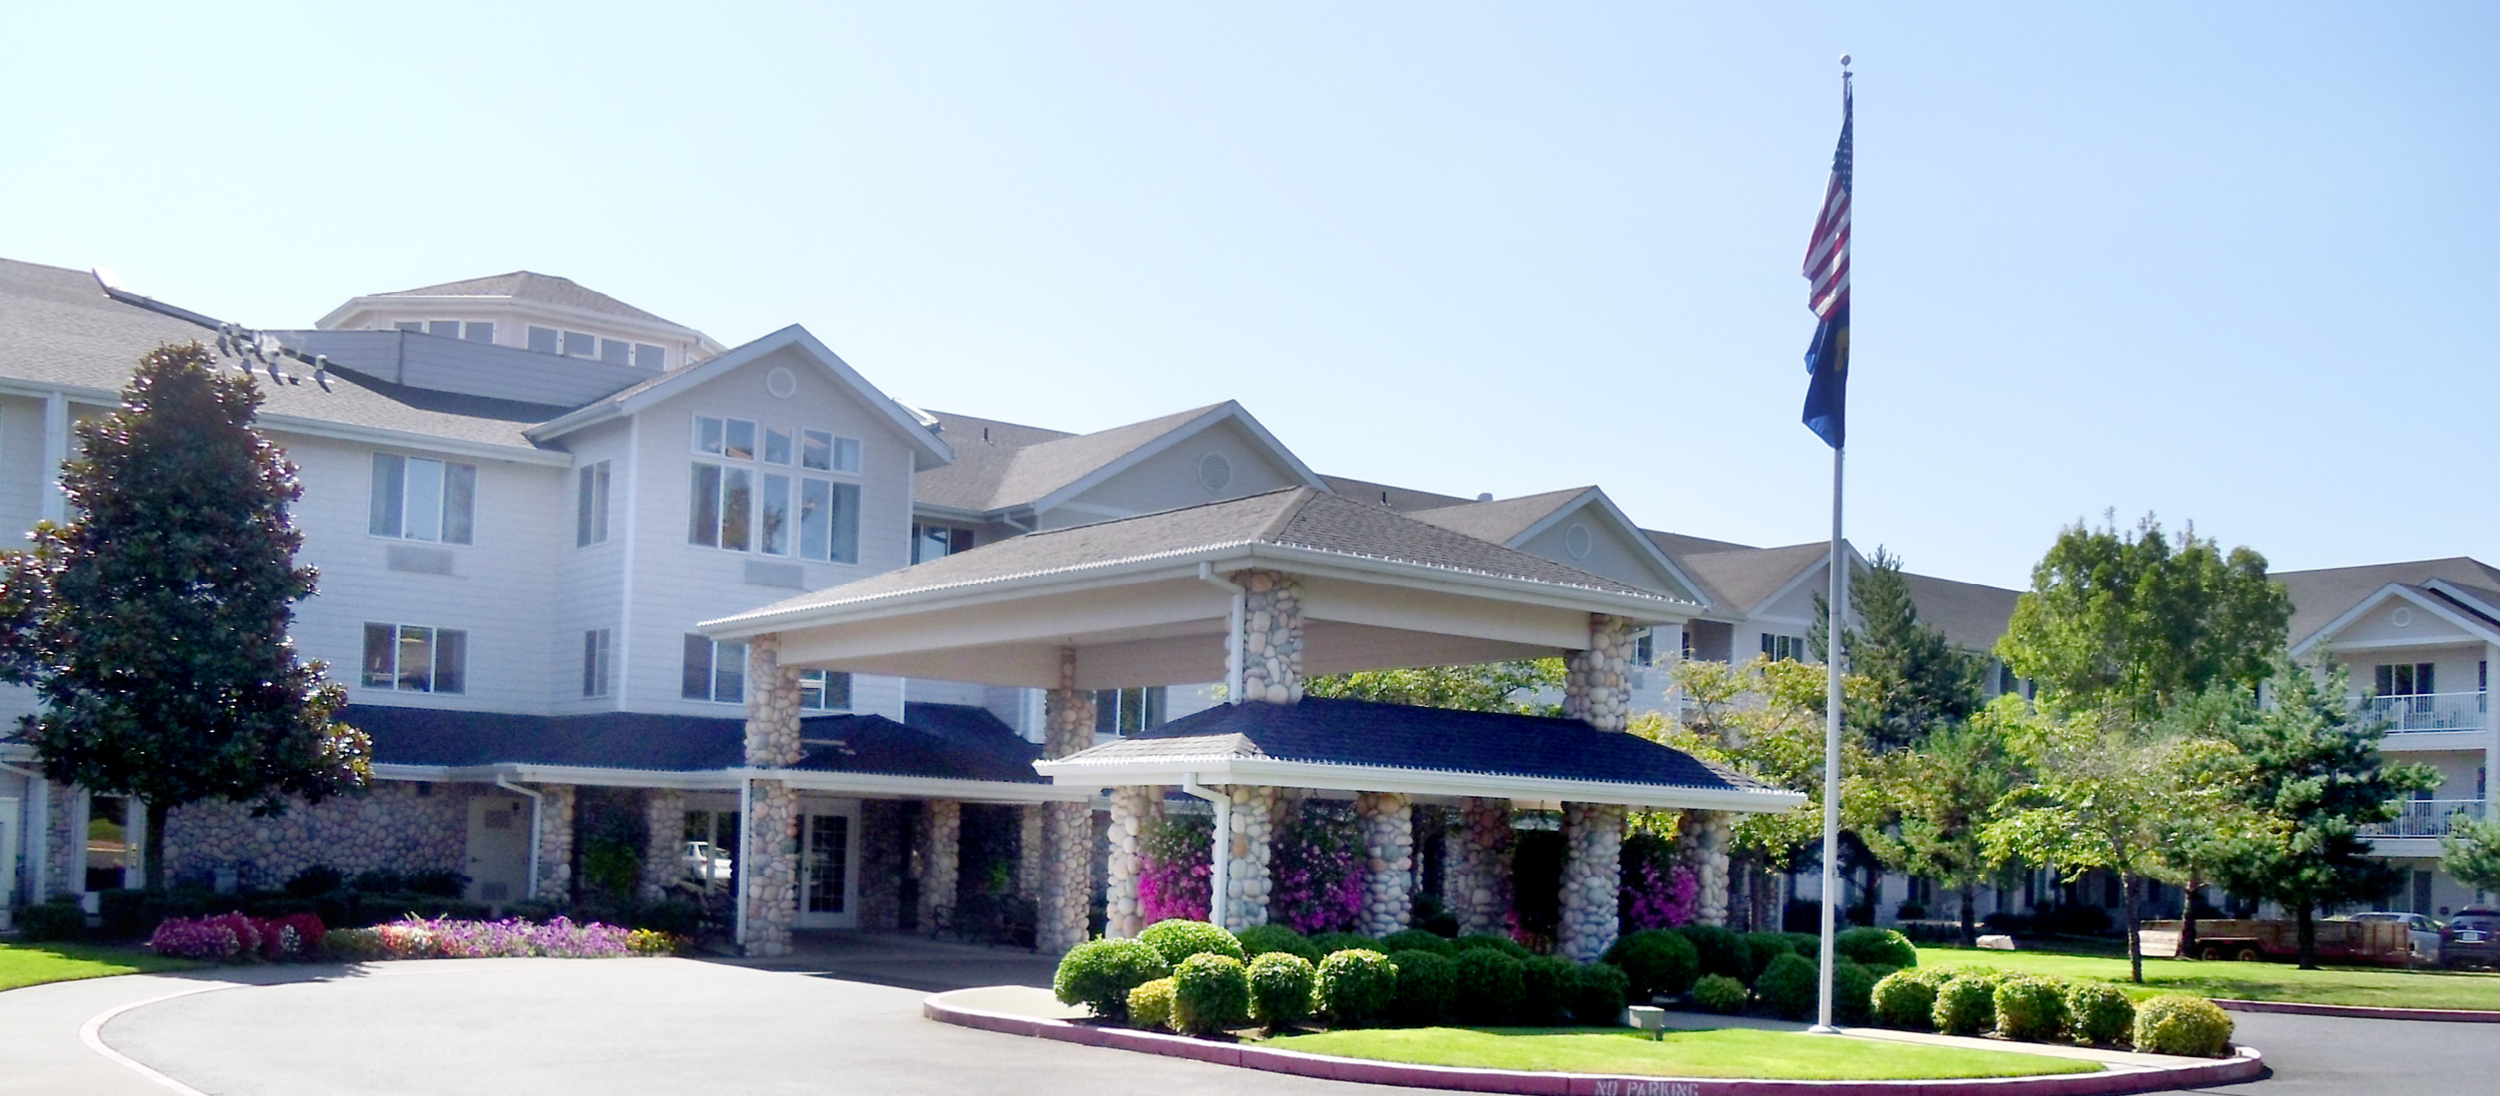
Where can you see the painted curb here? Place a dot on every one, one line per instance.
(2365, 1012)
(2246, 1065)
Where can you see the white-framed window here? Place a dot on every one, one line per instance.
(714, 671)
(469, 331)
(2404, 679)
(598, 658)
(738, 503)
(1645, 650)
(1782, 648)
(1128, 711)
(416, 658)
(590, 521)
(420, 498)
(824, 690)
(583, 344)
(930, 541)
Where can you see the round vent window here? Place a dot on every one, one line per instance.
(1214, 472)
(2401, 617)
(782, 383)
(1577, 540)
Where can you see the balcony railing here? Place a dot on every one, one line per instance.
(2429, 818)
(2428, 711)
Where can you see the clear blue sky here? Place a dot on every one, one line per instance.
(2233, 264)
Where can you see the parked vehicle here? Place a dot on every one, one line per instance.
(2379, 943)
(2423, 932)
(707, 863)
(2472, 938)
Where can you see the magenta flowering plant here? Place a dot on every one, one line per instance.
(1315, 868)
(1658, 892)
(204, 938)
(1176, 873)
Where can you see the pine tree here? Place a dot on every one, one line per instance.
(1924, 680)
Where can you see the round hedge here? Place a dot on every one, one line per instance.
(1596, 994)
(1280, 989)
(1491, 941)
(1719, 993)
(1178, 939)
(1967, 1004)
(1853, 992)
(1099, 974)
(1789, 986)
(1656, 961)
(1720, 951)
(1544, 988)
(1427, 987)
(1150, 1004)
(1258, 940)
(1760, 949)
(1354, 987)
(1872, 946)
(1330, 943)
(2098, 1014)
(1210, 993)
(2031, 1008)
(1905, 1000)
(1488, 985)
(1417, 940)
(1806, 944)
(2176, 1023)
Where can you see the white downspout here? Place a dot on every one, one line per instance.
(537, 822)
(746, 849)
(1232, 638)
(35, 847)
(1223, 851)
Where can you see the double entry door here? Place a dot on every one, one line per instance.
(828, 863)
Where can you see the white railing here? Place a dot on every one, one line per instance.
(2428, 817)
(2428, 711)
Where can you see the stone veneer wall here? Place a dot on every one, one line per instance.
(941, 858)
(1475, 880)
(1029, 853)
(770, 862)
(60, 848)
(1598, 687)
(1271, 639)
(1133, 809)
(1701, 844)
(1592, 882)
(1388, 826)
(1067, 828)
(1247, 883)
(389, 826)
(555, 842)
(663, 852)
(882, 833)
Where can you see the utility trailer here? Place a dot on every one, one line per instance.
(2349, 943)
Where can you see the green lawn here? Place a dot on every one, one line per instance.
(35, 964)
(2378, 986)
(1727, 1052)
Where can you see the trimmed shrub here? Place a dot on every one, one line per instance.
(1656, 961)
(1544, 988)
(1098, 974)
(1760, 949)
(1330, 943)
(1906, 999)
(1967, 1004)
(1258, 940)
(1789, 986)
(55, 920)
(1806, 944)
(1596, 992)
(1150, 1004)
(1853, 992)
(1872, 945)
(1488, 985)
(317, 880)
(1417, 940)
(2098, 1014)
(1210, 993)
(2176, 1023)
(1719, 993)
(1355, 987)
(1179, 939)
(1427, 986)
(1719, 950)
(1492, 942)
(1280, 989)
(2031, 1008)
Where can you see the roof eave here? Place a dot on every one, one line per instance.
(1374, 778)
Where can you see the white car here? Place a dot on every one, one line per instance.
(2424, 933)
(703, 861)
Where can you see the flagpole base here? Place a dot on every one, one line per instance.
(1822, 1029)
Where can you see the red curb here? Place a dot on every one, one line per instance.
(2365, 1012)
(2246, 1065)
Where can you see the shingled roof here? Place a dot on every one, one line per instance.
(525, 285)
(941, 742)
(2320, 596)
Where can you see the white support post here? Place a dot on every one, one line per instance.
(1836, 615)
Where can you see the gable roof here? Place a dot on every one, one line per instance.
(1680, 545)
(2321, 596)
(1501, 519)
(2459, 612)
(1019, 467)
(1745, 579)
(1971, 616)
(523, 285)
(1405, 500)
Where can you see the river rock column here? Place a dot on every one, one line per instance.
(61, 841)
(1271, 637)
(1067, 828)
(1029, 858)
(555, 843)
(1701, 845)
(1133, 811)
(941, 858)
(1247, 883)
(1592, 882)
(1598, 686)
(769, 865)
(1476, 867)
(1387, 820)
(663, 851)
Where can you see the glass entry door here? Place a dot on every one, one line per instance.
(828, 856)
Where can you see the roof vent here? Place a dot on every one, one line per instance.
(782, 383)
(1577, 541)
(1485, 497)
(2402, 617)
(1214, 472)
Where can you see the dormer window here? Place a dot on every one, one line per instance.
(582, 344)
(470, 331)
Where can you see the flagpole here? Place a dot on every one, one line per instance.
(1832, 630)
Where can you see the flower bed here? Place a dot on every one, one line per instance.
(236, 936)
(444, 938)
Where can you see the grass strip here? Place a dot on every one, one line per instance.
(1724, 1052)
(2382, 987)
(36, 964)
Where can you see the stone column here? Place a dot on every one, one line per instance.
(1029, 852)
(61, 841)
(1598, 687)
(1388, 824)
(1701, 844)
(1067, 828)
(769, 865)
(1246, 880)
(1271, 637)
(1476, 867)
(941, 858)
(663, 863)
(881, 858)
(555, 843)
(1592, 882)
(1133, 809)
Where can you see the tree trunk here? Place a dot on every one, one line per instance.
(2135, 930)
(153, 858)
(2187, 914)
(1970, 913)
(2308, 920)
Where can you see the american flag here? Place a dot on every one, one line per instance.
(1827, 253)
